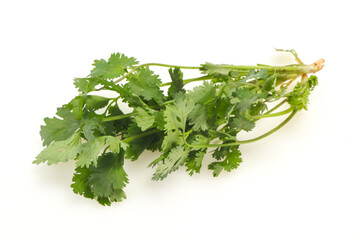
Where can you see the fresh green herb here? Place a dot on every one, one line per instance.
(182, 125)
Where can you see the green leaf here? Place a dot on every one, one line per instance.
(104, 183)
(171, 139)
(90, 152)
(198, 117)
(80, 182)
(312, 82)
(115, 144)
(231, 162)
(211, 69)
(220, 110)
(299, 97)
(269, 84)
(244, 98)
(76, 105)
(94, 102)
(103, 201)
(60, 151)
(257, 109)
(144, 119)
(220, 152)
(160, 119)
(137, 146)
(241, 122)
(114, 127)
(156, 141)
(200, 141)
(145, 83)
(203, 94)
(86, 85)
(176, 82)
(115, 67)
(156, 161)
(112, 86)
(131, 98)
(57, 129)
(195, 161)
(172, 162)
(82, 84)
(92, 127)
(257, 74)
(176, 115)
(109, 178)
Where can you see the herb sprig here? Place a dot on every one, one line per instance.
(182, 125)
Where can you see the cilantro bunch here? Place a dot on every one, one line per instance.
(182, 125)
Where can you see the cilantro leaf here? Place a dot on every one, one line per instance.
(160, 119)
(156, 161)
(116, 66)
(312, 82)
(80, 183)
(241, 122)
(137, 146)
(231, 162)
(177, 114)
(145, 83)
(105, 183)
(203, 94)
(108, 179)
(211, 69)
(114, 127)
(115, 144)
(57, 129)
(94, 102)
(60, 151)
(270, 83)
(92, 127)
(195, 161)
(144, 119)
(171, 139)
(199, 117)
(76, 105)
(244, 98)
(89, 152)
(220, 153)
(257, 74)
(176, 82)
(199, 141)
(299, 97)
(86, 85)
(172, 162)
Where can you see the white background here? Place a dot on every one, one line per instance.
(300, 183)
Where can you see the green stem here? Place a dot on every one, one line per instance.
(293, 68)
(267, 115)
(272, 130)
(167, 65)
(253, 139)
(153, 64)
(132, 138)
(293, 52)
(277, 106)
(186, 81)
(114, 118)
